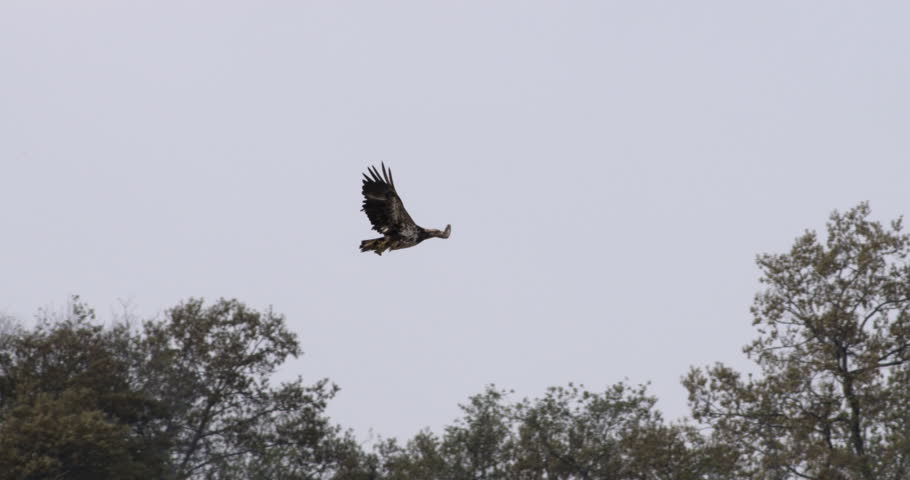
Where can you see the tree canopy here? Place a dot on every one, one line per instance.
(191, 395)
(832, 400)
(188, 396)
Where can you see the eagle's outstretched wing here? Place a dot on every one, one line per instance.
(382, 204)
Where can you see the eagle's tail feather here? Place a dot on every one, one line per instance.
(377, 245)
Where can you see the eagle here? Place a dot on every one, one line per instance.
(386, 212)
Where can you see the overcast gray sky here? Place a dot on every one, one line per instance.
(610, 169)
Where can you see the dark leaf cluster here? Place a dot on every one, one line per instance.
(185, 397)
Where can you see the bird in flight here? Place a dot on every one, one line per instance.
(386, 212)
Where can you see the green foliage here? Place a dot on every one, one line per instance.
(421, 459)
(211, 366)
(569, 433)
(834, 350)
(184, 397)
(69, 405)
(573, 433)
(480, 444)
(189, 396)
(59, 437)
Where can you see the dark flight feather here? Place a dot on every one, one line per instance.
(382, 204)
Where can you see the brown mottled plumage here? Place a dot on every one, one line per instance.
(386, 212)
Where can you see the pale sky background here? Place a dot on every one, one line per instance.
(610, 170)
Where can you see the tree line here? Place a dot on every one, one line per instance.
(190, 395)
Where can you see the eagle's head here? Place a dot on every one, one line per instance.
(432, 232)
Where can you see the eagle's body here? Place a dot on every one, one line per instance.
(386, 212)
